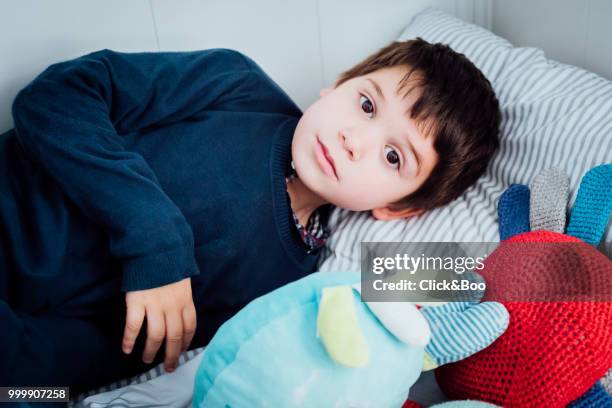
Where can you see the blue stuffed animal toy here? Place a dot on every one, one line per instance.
(314, 343)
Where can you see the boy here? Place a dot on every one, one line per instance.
(190, 180)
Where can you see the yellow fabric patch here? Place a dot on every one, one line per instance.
(339, 329)
(428, 363)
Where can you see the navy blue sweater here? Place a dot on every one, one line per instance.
(130, 171)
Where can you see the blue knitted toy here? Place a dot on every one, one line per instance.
(514, 207)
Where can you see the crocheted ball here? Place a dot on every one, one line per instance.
(552, 352)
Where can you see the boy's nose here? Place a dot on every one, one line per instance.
(353, 145)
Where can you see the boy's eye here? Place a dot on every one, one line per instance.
(366, 105)
(392, 157)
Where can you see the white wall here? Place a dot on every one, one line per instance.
(302, 44)
(576, 32)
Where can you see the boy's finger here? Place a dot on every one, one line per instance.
(189, 325)
(174, 339)
(155, 334)
(133, 323)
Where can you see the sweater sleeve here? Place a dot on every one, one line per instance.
(70, 120)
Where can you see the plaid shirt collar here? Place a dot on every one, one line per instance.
(315, 233)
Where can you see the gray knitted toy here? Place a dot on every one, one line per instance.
(548, 200)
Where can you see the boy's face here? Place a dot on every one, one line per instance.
(360, 151)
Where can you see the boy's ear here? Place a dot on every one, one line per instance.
(386, 214)
(325, 91)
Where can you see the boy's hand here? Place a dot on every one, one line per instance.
(170, 313)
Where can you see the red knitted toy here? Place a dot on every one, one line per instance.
(552, 352)
(411, 404)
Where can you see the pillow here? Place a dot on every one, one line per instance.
(552, 115)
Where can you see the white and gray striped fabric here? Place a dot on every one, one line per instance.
(554, 115)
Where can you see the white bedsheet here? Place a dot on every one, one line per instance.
(176, 390)
(165, 390)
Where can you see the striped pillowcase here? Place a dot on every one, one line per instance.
(553, 114)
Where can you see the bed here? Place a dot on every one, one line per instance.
(553, 115)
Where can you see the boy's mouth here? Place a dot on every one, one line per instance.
(325, 160)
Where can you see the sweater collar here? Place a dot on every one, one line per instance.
(280, 169)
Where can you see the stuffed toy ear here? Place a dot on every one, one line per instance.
(339, 329)
(460, 329)
(402, 319)
(589, 217)
(513, 211)
(549, 192)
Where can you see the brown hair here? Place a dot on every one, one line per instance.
(457, 105)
